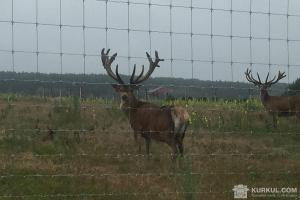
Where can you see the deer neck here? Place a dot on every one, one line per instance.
(264, 96)
(129, 107)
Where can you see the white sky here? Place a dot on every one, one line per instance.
(184, 47)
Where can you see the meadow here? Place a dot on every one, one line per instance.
(71, 148)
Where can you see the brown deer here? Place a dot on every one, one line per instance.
(166, 124)
(277, 106)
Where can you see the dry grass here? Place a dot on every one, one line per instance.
(95, 157)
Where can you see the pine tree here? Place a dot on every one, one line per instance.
(295, 87)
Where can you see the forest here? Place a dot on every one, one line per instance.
(98, 86)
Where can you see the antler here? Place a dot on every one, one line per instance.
(267, 83)
(280, 76)
(106, 62)
(140, 78)
(250, 78)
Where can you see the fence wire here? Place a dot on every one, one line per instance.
(210, 164)
(190, 8)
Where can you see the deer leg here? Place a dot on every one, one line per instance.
(183, 132)
(275, 120)
(298, 115)
(298, 118)
(179, 144)
(147, 140)
(140, 148)
(179, 139)
(137, 141)
(174, 147)
(180, 147)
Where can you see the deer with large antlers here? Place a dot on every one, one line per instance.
(275, 105)
(165, 124)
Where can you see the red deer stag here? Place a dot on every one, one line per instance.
(275, 105)
(165, 124)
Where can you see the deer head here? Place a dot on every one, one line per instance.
(263, 86)
(267, 83)
(125, 91)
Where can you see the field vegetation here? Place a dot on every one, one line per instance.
(71, 148)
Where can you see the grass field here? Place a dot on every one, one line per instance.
(84, 149)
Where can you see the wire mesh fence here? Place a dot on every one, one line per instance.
(83, 148)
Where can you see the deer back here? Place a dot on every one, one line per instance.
(150, 117)
(283, 104)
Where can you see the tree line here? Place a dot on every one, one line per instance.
(98, 85)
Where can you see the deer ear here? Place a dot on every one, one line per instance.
(116, 87)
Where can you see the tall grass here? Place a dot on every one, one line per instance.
(228, 143)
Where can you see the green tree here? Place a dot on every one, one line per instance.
(295, 87)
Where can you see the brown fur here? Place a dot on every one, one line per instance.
(281, 105)
(153, 122)
(165, 124)
(276, 105)
(181, 119)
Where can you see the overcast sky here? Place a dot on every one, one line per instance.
(181, 45)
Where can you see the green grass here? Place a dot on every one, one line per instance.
(92, 151)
